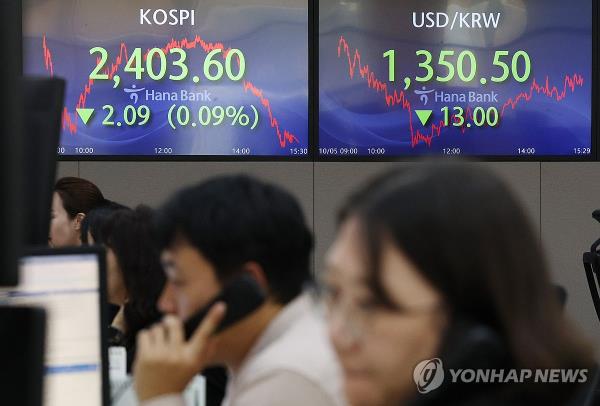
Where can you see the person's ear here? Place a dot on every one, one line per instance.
(258, 273)
(78, 220)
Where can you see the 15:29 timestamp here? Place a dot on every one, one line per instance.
(582, 151)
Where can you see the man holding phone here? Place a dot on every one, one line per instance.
(273, 342)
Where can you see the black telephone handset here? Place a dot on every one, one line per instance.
(243, 295)
(466, 345)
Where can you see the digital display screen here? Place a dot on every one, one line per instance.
(458, 77)
(175, 77)
(67, 287)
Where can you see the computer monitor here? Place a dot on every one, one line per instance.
(10, 139)
(22, 331)
(239, 68)
(399, 79)
(43, 102)
(69, 285)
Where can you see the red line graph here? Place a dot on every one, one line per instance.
(48, 57)
(69, 121)
(396, 97)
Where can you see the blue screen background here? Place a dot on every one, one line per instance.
(556, 34)
(273, 38)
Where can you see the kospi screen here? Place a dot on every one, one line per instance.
(480, 78)
(175, 77)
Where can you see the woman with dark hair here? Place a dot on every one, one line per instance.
(135, 274)
(91, 231)
(73, 198)
(436, 266)
(135, 283)
(92, 224)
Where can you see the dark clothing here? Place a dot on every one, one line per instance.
(113, 310)
(116, 338)
(216, 382)
(513, 394)
(478, 348)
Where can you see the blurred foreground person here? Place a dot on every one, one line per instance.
(435, 270)
(135, 281)
(277, 353)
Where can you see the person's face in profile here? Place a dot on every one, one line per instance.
(191, 280)
(378, 344)
(64, 231)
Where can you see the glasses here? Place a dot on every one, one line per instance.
(357, 316)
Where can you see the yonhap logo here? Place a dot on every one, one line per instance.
(429, 375)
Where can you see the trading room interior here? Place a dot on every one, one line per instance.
(287, 202)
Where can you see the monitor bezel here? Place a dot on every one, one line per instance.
(310, 125)
(100, 253)
(594, 130)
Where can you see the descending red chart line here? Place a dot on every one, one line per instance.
(69, 120)
(47, 57)
(396, 97)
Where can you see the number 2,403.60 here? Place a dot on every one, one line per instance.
(155, 66)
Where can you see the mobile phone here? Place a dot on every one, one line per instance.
(243, 295)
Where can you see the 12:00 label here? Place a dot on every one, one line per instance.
(163, 150)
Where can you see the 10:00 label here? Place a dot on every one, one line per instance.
(84, 150)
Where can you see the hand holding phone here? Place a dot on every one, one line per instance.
(243, 296)
(166, 362)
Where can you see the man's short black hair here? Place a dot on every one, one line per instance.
(233, 220)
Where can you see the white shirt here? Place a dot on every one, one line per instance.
(291, 364)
